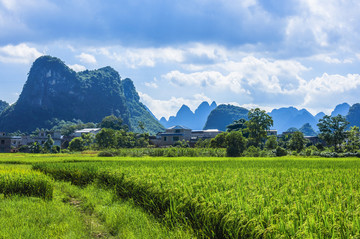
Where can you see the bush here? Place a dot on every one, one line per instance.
(252, 151)
(105, 154)
(280, 151)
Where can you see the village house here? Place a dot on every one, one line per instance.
(80, 132)
(8, 143)
(179, 133)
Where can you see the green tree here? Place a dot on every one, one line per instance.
(297, 141)
(219, 141)
(332, 130)
(112, 122)
(48, 144)
(106, 138)
(202, 143)
(76, 144)
(257, 125)
(353, 139)
(235, 144)
(271, 142)
(88, 139)
(237, 125)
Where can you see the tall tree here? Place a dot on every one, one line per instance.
(106, 138)
(332, 130)
(257, 125)
(237, 125)
(353, 139)
(297, 141)
(112, 122)
(235, 144)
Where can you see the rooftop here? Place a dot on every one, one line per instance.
(178, 127)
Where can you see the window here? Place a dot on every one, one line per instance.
(175, 138)
(165, 138)
(177, 131)
(2, 141)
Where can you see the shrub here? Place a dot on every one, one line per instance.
(280, 151)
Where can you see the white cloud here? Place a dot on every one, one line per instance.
(330, 90)
(142, 57)
(332, 23)
(250, 73)
(21, 53)
(328, 58)
(87, 58)
(167, 108)
(151, 85)
(77, 67)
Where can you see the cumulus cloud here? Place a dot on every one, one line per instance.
(141, 57)
(248, 74)
(77, 67)
(87, 58)
(20, 53)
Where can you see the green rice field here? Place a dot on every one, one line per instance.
(198, 197)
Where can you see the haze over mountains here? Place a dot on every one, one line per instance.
(192, 120)
(284, 118)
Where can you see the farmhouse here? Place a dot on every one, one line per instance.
(179, 133)
(8, 142)
(80, 132)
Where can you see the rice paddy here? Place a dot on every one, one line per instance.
(290, 197)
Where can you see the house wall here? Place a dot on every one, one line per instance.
(5, 144)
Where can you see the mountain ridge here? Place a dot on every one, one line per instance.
(54, 91)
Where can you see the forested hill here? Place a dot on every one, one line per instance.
(54, 91)
(224, 115)
(3, 105)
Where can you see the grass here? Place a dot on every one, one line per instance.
(242, 197)
(289, 197)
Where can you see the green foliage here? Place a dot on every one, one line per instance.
(235, 144)
(48, 144)
(252, 151)
(271, 142)
(257, 125)
(280, 151)
(113, 122)
(237, 125)
(332, 130)
(353, 139)
(203, 143)
(219, 141)
(182, 144)
(297, 141)
(106, 138)
(77, 144)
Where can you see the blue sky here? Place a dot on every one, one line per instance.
(252, 53)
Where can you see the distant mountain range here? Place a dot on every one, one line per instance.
(54, 91)
(284, 118)
(187, 118)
